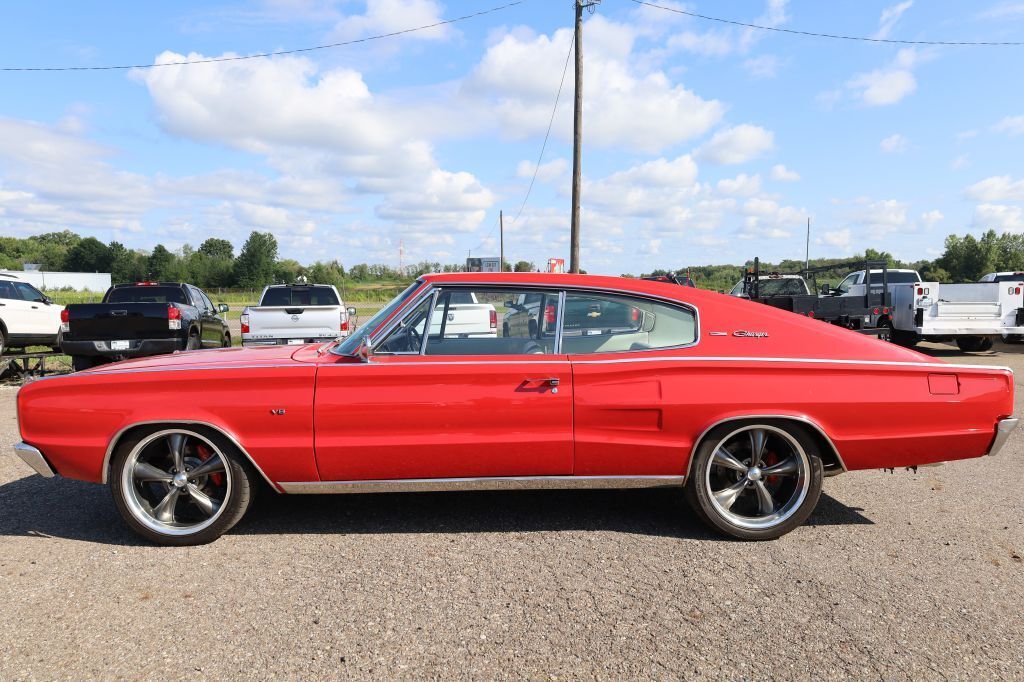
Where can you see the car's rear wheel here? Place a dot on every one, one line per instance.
(974, 344)
(180, 485)
(193, 342)
(227, 340)
(755, 480)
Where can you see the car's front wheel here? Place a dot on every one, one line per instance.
(755, 480)
(180, 485)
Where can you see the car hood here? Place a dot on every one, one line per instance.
(225, 357)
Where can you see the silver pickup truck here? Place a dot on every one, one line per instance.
(296, 314)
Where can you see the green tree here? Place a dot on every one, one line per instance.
(161, 263)
(217, 248)
(88, 255)
(525, 266)
(254, 267)
(123, 264)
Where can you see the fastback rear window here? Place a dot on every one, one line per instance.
(147, 295)
(285, 296)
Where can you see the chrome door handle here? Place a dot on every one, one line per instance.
(550, 381)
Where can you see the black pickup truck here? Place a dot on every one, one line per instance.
(144, 318)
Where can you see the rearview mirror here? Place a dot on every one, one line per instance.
(351, 312)
(223, 308)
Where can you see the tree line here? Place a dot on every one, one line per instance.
(213, 265)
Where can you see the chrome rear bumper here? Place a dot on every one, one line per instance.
(32, 457)
(1003, 430)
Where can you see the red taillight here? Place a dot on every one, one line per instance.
(885, 310)
(65, 316)
(876, 311)
(344, 325)
(244, 320)
(494, 318)
(635, 315)
(1016, 290)
(173, 313)
(810, 313)
(920, 291)
(549, 314)
(147, 284)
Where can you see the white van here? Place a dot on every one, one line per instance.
(27, 316)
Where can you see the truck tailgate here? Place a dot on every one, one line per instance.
(108, 321)
(298, 322)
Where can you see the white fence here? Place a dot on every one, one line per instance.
(79, 281)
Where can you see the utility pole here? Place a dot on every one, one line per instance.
(501, 241)
(807, 253)
(577, 137)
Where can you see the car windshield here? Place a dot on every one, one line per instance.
(147, 294)
(299, 295)
(350, 345)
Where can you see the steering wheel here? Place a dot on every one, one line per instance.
(414, 339)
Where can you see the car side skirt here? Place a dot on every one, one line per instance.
(499, 483)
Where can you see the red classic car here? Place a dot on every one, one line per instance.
(615, 381)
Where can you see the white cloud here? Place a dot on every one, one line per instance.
(1004, 10)
(894, 144)
(552, 170)
(763, 66)
(737, 145)
(996, 188)
(1000, 217)
(839, 238)
(390, 16)
(1011, 125)
(930, 219)
(959, 162)
(890, 84)
(648, 189)
(742, 185)
(891, 15)
(644, 110)
(782, 174)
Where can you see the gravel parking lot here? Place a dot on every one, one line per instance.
(897, 575)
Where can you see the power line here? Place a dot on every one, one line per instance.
(299, 50)
(554, 109)
(830, 35)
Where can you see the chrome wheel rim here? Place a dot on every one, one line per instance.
(757, 477)
(176, 482)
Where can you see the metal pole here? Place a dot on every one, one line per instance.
(577, 135)
(807, 256)
(501, 241)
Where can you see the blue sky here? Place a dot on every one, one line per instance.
(704, 143)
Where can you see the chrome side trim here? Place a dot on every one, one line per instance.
(495, 483)
(803, 420)
(1003, 430)
(229, 436)
(814, 361)
(32, 457)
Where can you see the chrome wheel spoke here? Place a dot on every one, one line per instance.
(723, 457)
(164, 512)
(207, 504)
(758, 439)
(147, 472)
(765, 501)
(176, 444)
(727, 496)
(212, 465)
(787, 467)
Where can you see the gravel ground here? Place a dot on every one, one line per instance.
(904, 575)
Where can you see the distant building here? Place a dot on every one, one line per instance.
(79, 281)
(487, 264)
(556, 265)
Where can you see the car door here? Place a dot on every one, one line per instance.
(202, 315)
(633, 405)
(213, 332)
(443, 407)
(36, 312)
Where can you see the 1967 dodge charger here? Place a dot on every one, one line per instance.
(743, 407)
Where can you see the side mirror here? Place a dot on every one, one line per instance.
(351, 312)
(825, 290)
(223, 308)
(365, 349)
(47, 300)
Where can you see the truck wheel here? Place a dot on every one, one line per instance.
(1013, 338)
(227, 340)
(974, 344)
(193, 342)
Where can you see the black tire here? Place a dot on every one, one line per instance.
(193, 342)
(82, 362)
(242, 481)
(227, 340)
(887, 332)
(799, 503)
(1013, 338)
(532, 326)
(505, 332)
(974, 344)
(56, 345)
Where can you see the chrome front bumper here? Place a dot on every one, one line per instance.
(32, 457)
(1003, 430)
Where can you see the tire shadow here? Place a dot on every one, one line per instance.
(74, 510)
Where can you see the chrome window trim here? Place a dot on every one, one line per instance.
(669, 301)
(786, 417)
(481, 483)
(434, 293)
(379, 334)
(558, 323)
(230, 436)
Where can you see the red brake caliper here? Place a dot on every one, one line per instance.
(770, 459)
(205, 454)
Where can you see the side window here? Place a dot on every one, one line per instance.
(7, 290)
(407, 337)
(844, 286)
(599, 323)
(206, 301)
(28, 292)
(493, 321)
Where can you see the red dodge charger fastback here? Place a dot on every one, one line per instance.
(582, 380)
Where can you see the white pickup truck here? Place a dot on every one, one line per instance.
(462, 316)
(971, 315)
(296, 314)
